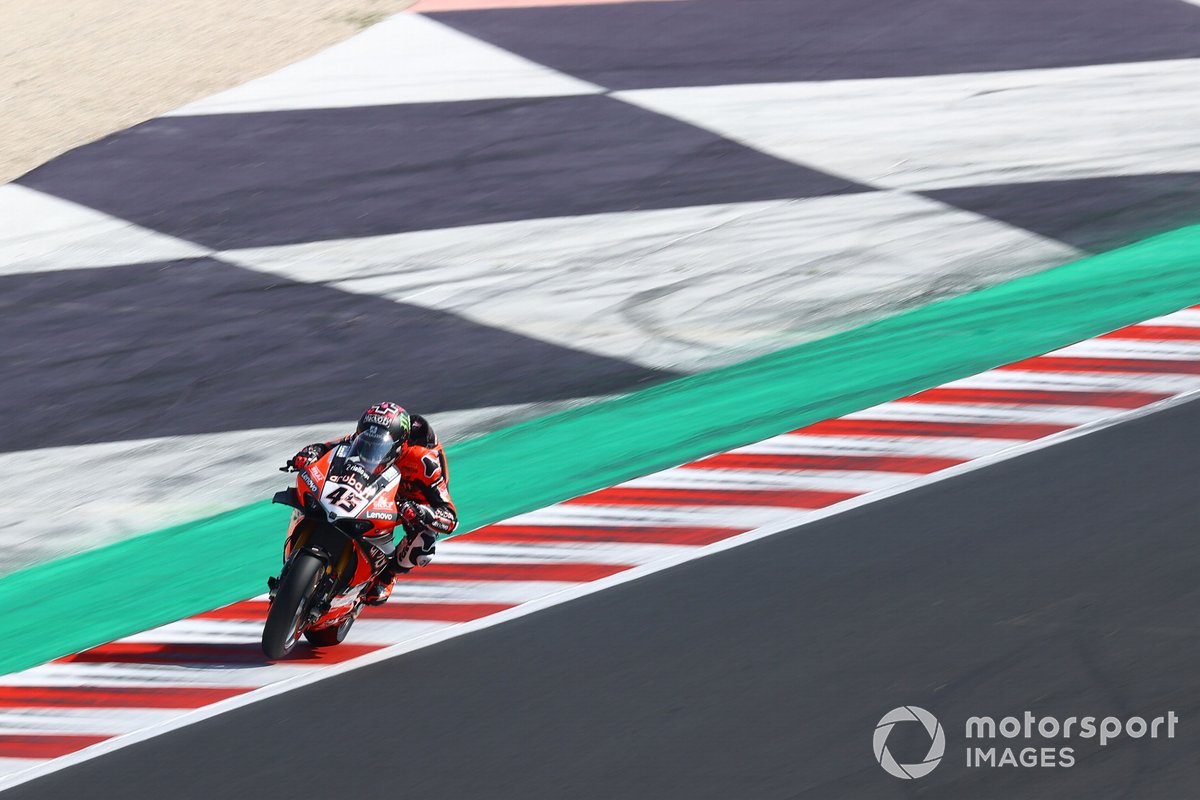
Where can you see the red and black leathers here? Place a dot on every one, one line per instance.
(422, 493)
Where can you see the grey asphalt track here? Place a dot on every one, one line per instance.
(715, 42)
(1063, 582)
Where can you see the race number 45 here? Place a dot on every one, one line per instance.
(343, 498)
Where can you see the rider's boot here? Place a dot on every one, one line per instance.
(379, 591)
(417, 551)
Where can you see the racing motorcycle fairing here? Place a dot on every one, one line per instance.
(346, 489)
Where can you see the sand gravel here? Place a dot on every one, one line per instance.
(72, 71)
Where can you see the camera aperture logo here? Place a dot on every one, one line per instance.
(937, 742)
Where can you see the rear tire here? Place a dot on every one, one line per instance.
(328, 637)
(293, 598)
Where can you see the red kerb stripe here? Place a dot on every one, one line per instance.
(22, 745)
(435, 612)
(210, 654)
(1024, 397)
(882, 427)
(921, 465)
(248, 610)
(110, 697)
(572, 572)
(573, 533)
(784, 498)
(256, 610)
(1067, 364)
(1161, 333)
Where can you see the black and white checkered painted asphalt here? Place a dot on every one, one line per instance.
(480, 212)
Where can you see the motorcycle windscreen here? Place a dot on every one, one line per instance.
(372, 449)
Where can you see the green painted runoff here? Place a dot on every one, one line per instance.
(93, 597)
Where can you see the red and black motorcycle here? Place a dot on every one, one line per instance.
(339, 540)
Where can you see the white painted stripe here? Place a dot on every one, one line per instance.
(42, 233)
(924, 132)
(408, 58)
(82, 721)
(962, 412)
(963, 447)
(760, 275)
(760, 479)
(11, 766)
(460, 591)
(368, 630)
(464, 551)
(159, 675)
(1187, 318)
(1080, 381)
(633, 516)
(511, 592)
(1132, 348)
(249, 632)
(194, 631)
(290, 678)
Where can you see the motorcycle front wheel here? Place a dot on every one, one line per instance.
(293, 599)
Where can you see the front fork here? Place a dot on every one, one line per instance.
(325, 592)
(288, 548)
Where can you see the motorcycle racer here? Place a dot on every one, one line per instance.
(387, 436)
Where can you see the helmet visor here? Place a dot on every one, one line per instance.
(371, 449)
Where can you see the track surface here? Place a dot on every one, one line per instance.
(1062, 582)
(486, 212)
(201, 333)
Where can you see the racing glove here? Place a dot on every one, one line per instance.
(414, 516)
(301, 459)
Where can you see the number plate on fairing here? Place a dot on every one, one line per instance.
(350, 490)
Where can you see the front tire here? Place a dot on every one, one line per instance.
(294, 597)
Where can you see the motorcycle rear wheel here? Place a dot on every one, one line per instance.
(293, 598)
(328, 637)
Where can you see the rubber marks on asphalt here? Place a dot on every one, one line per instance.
(897, 132)
(151, 679)
(610, 282)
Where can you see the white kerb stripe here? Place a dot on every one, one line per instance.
(75, 721)
(633, 516)
(963, 447)
(962, 412)
(782, 479)
(1079, 381)
(509, 592)
(156, 675)
(1132, 348)
(464, 551)
(1187, 318)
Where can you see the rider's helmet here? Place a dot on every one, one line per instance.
(381, 435)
